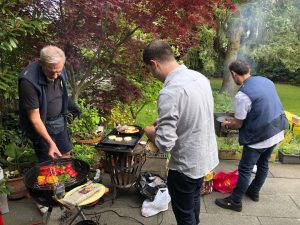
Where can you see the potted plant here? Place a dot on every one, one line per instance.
(229, 148)
(289, 148)
(289, 153)
(84, 128)
(19, 160)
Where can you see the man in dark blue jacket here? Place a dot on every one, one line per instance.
(44, 104)
(261, 121)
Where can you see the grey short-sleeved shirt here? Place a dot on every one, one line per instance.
(186, 123)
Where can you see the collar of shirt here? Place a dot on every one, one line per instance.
(173, 73)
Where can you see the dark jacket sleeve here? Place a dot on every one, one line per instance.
(73, 108)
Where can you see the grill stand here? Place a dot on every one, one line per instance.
(124, 167)
(79, 213)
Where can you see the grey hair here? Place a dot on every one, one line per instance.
(52, 54)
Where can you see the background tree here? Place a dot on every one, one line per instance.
(20, 28)
(103, 39)
(265, 33)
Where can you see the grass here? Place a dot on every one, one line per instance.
(148, 115)
(289, 95)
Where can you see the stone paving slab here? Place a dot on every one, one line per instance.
(217, 219)
(285, 170)
(269, 205)
(281, 186)
(296, 199)
(21, 212)
(167, 218)
(278, 221)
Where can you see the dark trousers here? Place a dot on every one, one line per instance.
(251, 157)
(185, 197)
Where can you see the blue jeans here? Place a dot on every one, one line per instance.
(251, 157)
(185, 197)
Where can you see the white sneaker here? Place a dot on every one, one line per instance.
(254, 169)
(43, 209)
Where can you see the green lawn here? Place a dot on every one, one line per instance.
(289, 95)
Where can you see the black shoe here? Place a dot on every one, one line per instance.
(228, 203)
(253, 196)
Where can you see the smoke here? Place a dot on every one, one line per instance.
(253, 16)
(271, 33)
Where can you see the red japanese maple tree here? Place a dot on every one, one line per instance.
(103, 39)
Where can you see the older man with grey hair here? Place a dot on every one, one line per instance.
(44, 104)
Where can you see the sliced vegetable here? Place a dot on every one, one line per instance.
(52, 179)
(42, 180)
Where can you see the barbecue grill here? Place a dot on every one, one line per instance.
(43, 194)
(108, 145)
(123, 158)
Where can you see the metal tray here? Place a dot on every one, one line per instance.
(131, 143)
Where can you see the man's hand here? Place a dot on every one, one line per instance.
(53, 151)
(232, 124)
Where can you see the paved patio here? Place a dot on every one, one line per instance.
(279, 203)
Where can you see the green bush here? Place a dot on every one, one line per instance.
(222, 102)
(85, 126)
(229, 144)
(86, 153)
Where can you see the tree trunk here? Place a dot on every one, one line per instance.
(234, 40)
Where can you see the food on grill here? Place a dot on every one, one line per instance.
(55, 173)
(41, 180)
(52, 179)
(128, 129)
(119, 139)
(112, 137)
(127, 138)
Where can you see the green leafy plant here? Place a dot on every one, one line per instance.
(86, 153)
(229, 144)
(19, 158)
(3, 188)
(290, 145)
(85, 126)
(120, 114)
(223, 102)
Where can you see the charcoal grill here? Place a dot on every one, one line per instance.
(43, 194)
(124, 159)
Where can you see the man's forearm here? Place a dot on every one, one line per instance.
(39, 127)
(150, 133)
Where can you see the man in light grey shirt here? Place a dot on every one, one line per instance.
(185, 128)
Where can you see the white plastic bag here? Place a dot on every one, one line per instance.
(159, 204)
